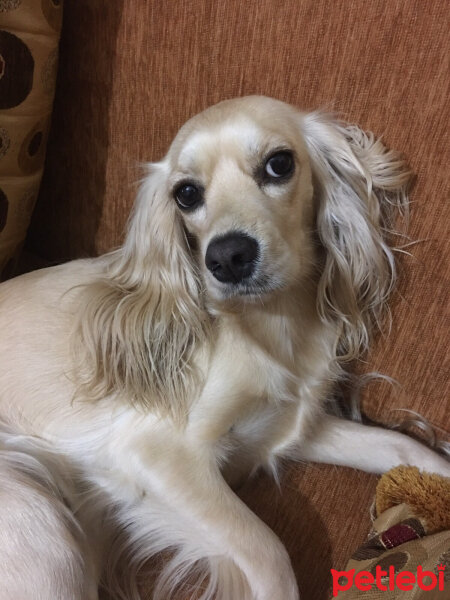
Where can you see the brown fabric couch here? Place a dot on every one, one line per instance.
(132, 72)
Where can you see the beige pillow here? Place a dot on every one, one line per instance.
(29, 36)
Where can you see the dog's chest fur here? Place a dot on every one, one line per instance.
(266, 377)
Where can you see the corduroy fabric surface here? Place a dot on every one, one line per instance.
(132, 72)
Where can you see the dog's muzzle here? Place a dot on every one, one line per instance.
(231, 258)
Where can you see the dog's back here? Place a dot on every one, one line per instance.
(41, 545)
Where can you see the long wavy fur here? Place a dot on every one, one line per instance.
(359, 186)
(143, 320)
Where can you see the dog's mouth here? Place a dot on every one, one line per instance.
(251, 289)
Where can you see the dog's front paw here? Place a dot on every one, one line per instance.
(278, 582)
(417, 455)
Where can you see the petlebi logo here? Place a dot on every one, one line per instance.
(388, 580)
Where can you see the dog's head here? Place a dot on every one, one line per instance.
(256, 184)
(240, 176)
(270, 196)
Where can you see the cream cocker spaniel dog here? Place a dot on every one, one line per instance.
(137, 388)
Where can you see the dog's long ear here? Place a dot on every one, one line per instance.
(358, 184)
(142, 321)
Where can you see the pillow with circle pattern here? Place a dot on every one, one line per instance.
(29, 36)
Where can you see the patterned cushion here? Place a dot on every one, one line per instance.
(411, 535)
(29, 35)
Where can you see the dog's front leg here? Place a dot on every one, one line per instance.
(372, 449)
(187, 505)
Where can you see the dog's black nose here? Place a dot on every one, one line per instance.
(232, 257)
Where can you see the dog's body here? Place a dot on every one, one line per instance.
(156, 376)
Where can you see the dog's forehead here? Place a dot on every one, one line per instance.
(240, 136)
(238, 128)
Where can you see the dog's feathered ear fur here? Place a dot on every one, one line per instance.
(142, 321)
(358, 184)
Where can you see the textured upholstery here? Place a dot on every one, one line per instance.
(132, 72)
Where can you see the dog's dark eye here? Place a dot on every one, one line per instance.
(279, 165)
(188, 196)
